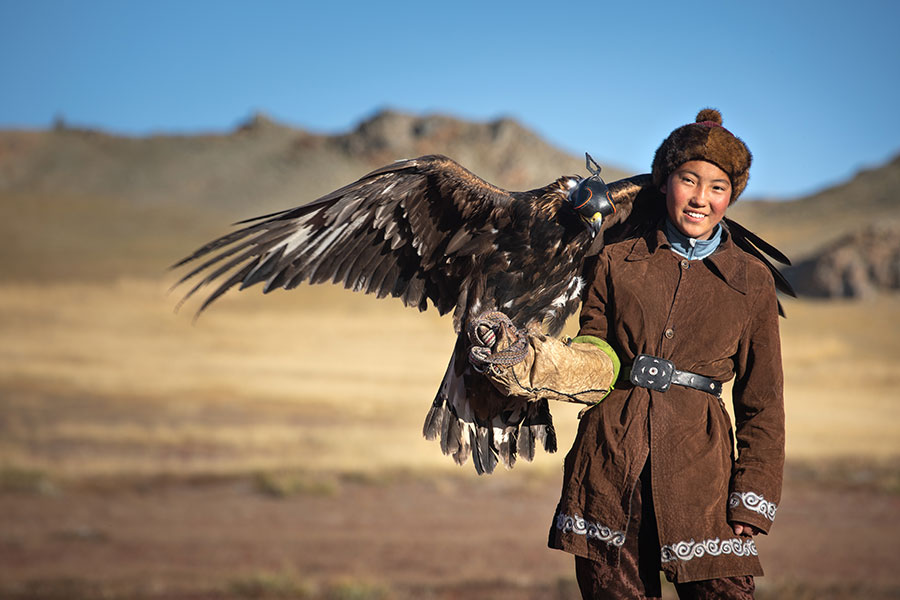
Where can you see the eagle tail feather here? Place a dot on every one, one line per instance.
(450, 431)
(443, 420)
(453, 419)
(525, 445)
(540, 422)
(476, 450)
(461, 454)
(483, 451)
(507, 447)
(550, 441)
(434, 420)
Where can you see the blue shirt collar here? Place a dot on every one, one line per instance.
(692, 248)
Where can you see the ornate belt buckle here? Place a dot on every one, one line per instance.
(652, 372)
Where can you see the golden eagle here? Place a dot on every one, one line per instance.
(427, 229)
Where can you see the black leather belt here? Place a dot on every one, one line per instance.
(659, 374)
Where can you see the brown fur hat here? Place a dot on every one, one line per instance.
(707, 140)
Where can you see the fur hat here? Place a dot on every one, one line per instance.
(707, 140)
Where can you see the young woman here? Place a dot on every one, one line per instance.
(652, 483)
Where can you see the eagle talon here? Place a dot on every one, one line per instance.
(485, 335)
(495, 340)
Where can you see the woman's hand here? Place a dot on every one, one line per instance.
(744, 529)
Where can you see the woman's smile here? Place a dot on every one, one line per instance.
(697, 195)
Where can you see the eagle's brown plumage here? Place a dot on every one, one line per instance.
(426, 229)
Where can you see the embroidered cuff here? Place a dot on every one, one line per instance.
(596, 531)
(715, 547)
(754, 502)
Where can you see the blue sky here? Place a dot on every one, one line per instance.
(812, 87)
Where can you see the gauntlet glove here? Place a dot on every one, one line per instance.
(533, 366)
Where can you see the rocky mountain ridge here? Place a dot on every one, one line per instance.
(855, 266)
(845, 240)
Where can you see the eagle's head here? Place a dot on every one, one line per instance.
(591, 200)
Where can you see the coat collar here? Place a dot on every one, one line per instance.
(726, 262)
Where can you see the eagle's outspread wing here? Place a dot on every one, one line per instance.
(398, 231)
(420, 229)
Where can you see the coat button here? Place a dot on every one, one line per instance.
(685, 264)
(670, 333)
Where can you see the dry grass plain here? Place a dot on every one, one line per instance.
(273, 449)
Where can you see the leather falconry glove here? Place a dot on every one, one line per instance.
(533, 366)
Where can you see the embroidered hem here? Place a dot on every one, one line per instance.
(755, 502)
(713, 547)
(595, 531)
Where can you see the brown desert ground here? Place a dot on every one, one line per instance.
(273, 449)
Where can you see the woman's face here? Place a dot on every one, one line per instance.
(697, 195)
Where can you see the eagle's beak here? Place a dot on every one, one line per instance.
(594, 223)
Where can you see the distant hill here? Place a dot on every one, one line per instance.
(809, 225)
(266, 165)
(855, 266)
(86, 204)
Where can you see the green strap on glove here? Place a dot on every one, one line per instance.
(603, 345)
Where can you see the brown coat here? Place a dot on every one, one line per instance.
(716, 317)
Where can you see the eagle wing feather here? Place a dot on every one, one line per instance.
(406, 230)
